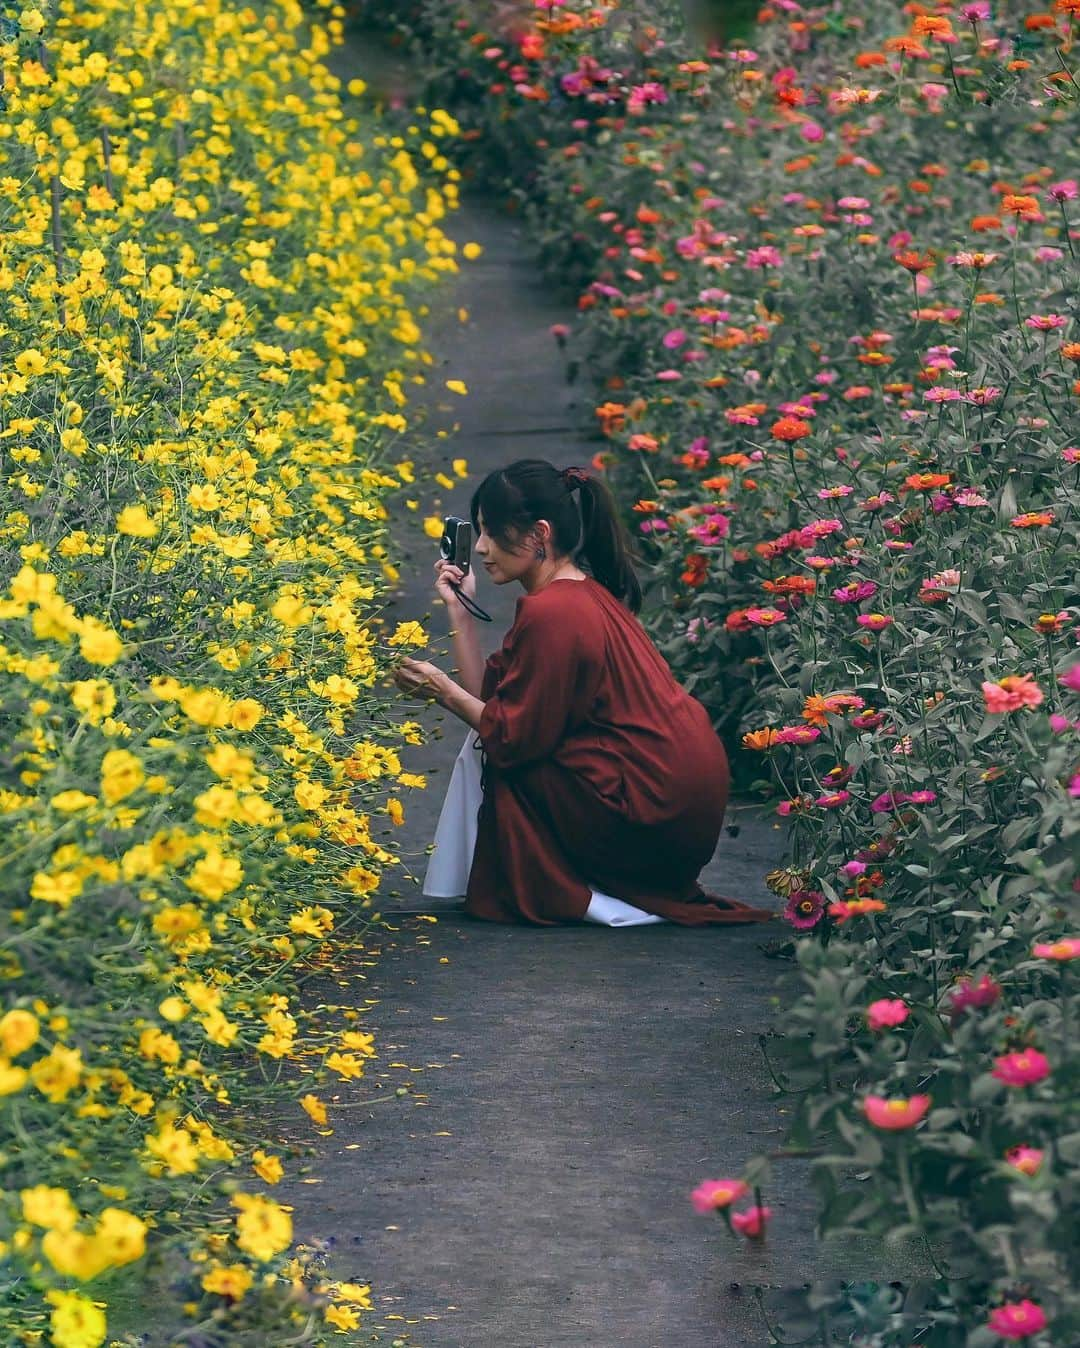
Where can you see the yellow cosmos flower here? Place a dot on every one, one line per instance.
(19, 1030)
(342, 1317)
(121, 774)
(12, 1078)
(433, 526)
(61, 888)
(75, 1322)
(67, 802)
(456, 386)
(263, 1227)
(58, 1073)
(246, 714)
(51, 1208)
(99, 644)
(135, 521)
(314, 1108)
(175, 1149)
(31, 361)
(408, 634)
(215, 875)
(359, 1294)
(228, 1280)
(268, 1168)
(94, 698)
(291, 611)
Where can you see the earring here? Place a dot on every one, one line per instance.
(540, 554)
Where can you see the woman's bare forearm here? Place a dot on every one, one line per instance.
(469, 662)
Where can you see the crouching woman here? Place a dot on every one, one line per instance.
(602, 785)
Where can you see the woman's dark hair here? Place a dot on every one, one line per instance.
(514, 498)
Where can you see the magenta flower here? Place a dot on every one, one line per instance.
(876, 622)
(751, 1223)
(1046, 322)
(886, 1013)
(1066, 190)
(833, 800)
(766, 256)
(1017, 1320)
(1028, 1160)
(711, 1195)
(895, 1114)
(797, 734)
(1021, 1069)
(764, 617)
(978, 12)
(674, 339)
(668, 376)
(805, 908)
(834, 493)
(982, 397)
(855, 591)
(969, 996)
(1071, 678)
(942, 395)
(1067, 948)
(851, 869)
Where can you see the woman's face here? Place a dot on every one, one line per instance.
(504, 564)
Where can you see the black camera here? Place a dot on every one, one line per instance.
(456, 543)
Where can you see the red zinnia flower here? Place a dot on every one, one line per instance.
(790, 428)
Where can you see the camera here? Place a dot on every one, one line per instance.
(456, 543)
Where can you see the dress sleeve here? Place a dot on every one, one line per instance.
(547, 688)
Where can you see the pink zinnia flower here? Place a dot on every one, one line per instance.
(1071, 678)
(1066, 190)
(851, 869)
(805, 908)
(711, 1195)
(1021, 1069)
(751, 1223)
(977, 12)
(797, 734)
(668, 376)
(833, 800)
(1017, 1320)
(766, 256)
(983, 396)
(1011, 693)
(942, 395)
(1067, 948)
(887, 1012)
(967, 995)
(764, 617)
(1046, 322)
(674, 338)
(855, 591)
(1028, 1160)
(895, 1114)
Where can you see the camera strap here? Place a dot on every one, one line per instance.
(469, 606)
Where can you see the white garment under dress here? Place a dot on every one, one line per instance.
(448, 868)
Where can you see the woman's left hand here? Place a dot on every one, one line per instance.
(420, 678)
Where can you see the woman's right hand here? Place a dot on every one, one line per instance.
(447, 576)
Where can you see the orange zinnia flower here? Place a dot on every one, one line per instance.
(1034, 519)
(1026, 207)
(1071, 350)
(912, 261)
(790, 428)
(759, 739)
(929, 25)
(906, 46)
(926, 481)
(981, 223)
(865, 59)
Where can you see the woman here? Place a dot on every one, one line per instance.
(603, 783)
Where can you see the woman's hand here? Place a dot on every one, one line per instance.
(421, 678)
(447, 576)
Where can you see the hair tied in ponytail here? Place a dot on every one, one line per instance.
(574, 477)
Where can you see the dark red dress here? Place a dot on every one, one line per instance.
(599, 771)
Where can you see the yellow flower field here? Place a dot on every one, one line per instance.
(212, 279)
